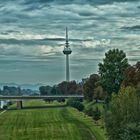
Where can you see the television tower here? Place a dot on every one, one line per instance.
(67, 51)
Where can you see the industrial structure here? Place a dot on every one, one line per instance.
(19, 99)
(67, 51)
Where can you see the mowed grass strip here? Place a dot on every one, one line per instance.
(46, 124)
(32, 103)
(37, 103)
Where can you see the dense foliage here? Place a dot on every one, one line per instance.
(112, 70)
(132, 76)
(76, 104)
(122, 119)
(7, 90)
(95, 113)
(45, 90)
(63, 88)
(90, 86)
(121, 113)
(99, 93)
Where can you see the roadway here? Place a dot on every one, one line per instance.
(40, 97)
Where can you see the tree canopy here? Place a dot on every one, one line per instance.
(112, 70)
(122, 120)
(90, 86)
(132, 76)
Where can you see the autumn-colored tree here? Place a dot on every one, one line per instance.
(99, 93)
(89, 86)
(67, 88)
(132, 76)
(79, 90)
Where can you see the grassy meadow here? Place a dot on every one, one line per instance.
(47, 124)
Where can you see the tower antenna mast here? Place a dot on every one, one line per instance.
(67, 51)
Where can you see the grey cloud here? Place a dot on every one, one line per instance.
(45, 41)
(65, 2)
(27, 24)
(85, 13)
(134, 28)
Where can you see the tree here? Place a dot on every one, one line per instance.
(89, 86)
(99, 93)
(112, 70)
(43, 90)
(68, 88)
(122, 120)
(132, 75)
(54, 90)
(11, 90)
(79, 90)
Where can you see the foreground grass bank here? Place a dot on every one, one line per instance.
(47, 124)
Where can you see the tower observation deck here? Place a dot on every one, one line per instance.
(67, 51)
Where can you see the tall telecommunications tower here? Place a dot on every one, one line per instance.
(67, 51)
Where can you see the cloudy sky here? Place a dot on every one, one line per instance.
(32, 37)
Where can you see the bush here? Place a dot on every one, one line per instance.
(9, 103)
(122, 120)
(76, 104)
(5, 107)
(93, 112)
(96, 114)
(89, 111)
(61, 100)
(131, 132)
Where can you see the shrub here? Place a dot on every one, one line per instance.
(61, 100)
(5, 107)
(122, 118)
(89, 111)
(9, 103)
(96, 114)
(76, 104)
(131, 131)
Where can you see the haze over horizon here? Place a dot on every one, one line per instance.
(32, 37)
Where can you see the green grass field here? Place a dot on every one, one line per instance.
(47, 124)
(36, 103)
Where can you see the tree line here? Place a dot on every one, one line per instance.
(120, 82)
(63, 88)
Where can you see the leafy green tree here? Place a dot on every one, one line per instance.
(89, 86)
(112, 70)
(122, 120)
(43, 90)
(11, 90)
(54, 90)
(138, 90)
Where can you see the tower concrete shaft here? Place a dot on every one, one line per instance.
(67, 68)
(67, 51)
